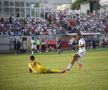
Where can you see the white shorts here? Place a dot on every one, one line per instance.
(33, 47)
(81, 54)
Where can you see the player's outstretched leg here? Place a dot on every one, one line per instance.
(55, 71)
(75, 58)
(79, 64)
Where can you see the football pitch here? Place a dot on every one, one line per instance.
(14, 73)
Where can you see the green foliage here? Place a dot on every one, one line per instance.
(76, 4)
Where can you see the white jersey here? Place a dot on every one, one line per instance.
(80, 43)
(33, 44)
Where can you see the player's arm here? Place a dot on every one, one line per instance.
(77, 46)
(81, 45)
(30, 70)
(30, 67)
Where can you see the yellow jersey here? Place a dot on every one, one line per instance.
(37, 68)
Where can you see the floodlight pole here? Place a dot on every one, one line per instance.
(40, 8)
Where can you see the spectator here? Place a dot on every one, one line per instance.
(43, 46)
(48, 45)
(18, 47)
(38, 44)
(53, 42)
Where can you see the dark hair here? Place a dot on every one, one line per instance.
(79, 34)
(32, 57)
(33, 38)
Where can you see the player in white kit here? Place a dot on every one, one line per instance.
(82, 51)
(33, 46)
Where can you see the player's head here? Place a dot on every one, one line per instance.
(78, 35)
(32, 38)
(32, 58)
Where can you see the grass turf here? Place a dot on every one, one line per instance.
(94, 75)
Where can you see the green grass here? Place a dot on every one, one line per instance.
(94, 75)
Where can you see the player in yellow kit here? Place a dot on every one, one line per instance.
(37, 68)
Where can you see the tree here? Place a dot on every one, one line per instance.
(76, 4)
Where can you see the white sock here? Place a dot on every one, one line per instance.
(32, 52)
(78, 61)
(69, 66)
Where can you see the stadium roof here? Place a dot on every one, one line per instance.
(85, 33)
(57, 1)
(45, 1)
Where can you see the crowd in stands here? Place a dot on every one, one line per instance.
(54, 24)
